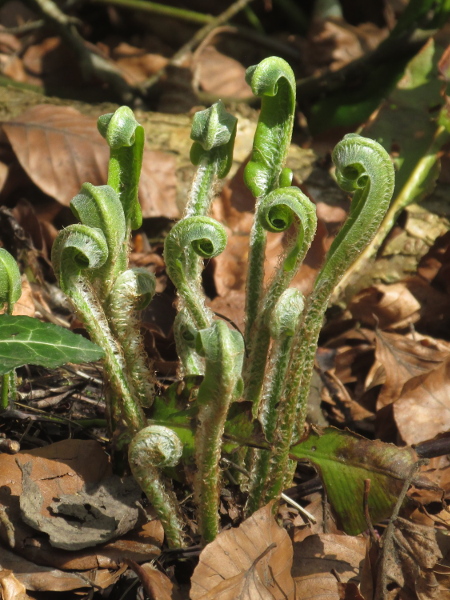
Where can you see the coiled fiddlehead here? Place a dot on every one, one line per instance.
(364, 167)
(78, 252)
(125, 137)
(100, 207)
(154, 448)
(213, 132)
(273, 81)
(133, 290)
(223, 350)
(277, 212)
(206, 238)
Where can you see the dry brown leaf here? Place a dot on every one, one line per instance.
(408, 563)
(37, 578)
(386, 306)
(318, 555)
(60, 149)
(157, 585)
(349, 591)
(252, 562)
(423, 408)
(220, 75)
(11, 588)
(76, 461)
(136, 64)
(403, 359)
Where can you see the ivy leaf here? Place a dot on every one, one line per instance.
(24, 340)
(344, 461)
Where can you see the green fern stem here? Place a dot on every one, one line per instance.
(133, 290)
(100, 207)
(286, 317)
(274, 82)
(77, 252)
(223, 350)
(125, 137)
(277, 212)
(362, 167)
(206, 238)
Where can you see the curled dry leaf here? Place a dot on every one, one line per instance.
(220, 75)
(37, 578)
(319, 557)
(423, 408)
(157, 585)
(11, 588)
(251, 562)
(60, 149)
(408, 561)
(403, 359)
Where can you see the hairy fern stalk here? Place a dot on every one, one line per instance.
(271, 365)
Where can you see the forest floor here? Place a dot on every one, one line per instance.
(383, 364)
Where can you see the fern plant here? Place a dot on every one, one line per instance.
(271, 365)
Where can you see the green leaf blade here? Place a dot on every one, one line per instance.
(24, 340)
(345, 460)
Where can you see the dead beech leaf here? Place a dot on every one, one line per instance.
(403, 359)
(423, 408)
(37, 578)
(136, 64)
(60, 149)
(251, 562)
(157, 585)
(220, 75)
(317, 556)
(408, 561)
(11, 588)
(386, 306)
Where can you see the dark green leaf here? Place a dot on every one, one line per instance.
(24, 340)
(345, 460)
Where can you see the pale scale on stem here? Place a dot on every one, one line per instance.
(223, 350)
(285, 319)
(133, 290)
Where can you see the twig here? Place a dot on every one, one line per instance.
(92, 64)
(372, 532)
(179, 56)
(161, 9)
(24, 28)
(300, 508)
(388, 536)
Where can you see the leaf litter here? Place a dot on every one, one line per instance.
(380, 351)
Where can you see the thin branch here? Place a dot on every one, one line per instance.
(197, 38)
(92, 64)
